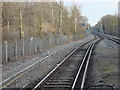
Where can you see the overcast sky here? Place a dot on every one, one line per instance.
(95, 9)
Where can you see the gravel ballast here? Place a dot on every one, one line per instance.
(43, 68)
(104, 65)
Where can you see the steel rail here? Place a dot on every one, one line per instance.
(80, 68)
(12, 78)
(86, 56)
(56, 68)
(115, 40)
(86, 68)
(104, 85)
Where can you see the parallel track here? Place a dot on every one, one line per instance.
(70, 74)
(115, 40)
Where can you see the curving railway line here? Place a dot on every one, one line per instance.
(115, 40)
(70, 73)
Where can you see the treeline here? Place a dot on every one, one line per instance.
(108, 24)
(40, 19)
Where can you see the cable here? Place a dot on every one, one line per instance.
(102, 85)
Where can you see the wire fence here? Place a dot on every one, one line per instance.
(32, 45)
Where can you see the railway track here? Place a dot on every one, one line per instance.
(115, 40)
(70, 74)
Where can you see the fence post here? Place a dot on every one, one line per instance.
(50, 42)
(55, 40)
(16, 48)
(39, 44)
(30, 51)
(6, 50)
(35, 45)
(45, 43)
(23, 48)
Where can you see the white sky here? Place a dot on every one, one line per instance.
(95, 9)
